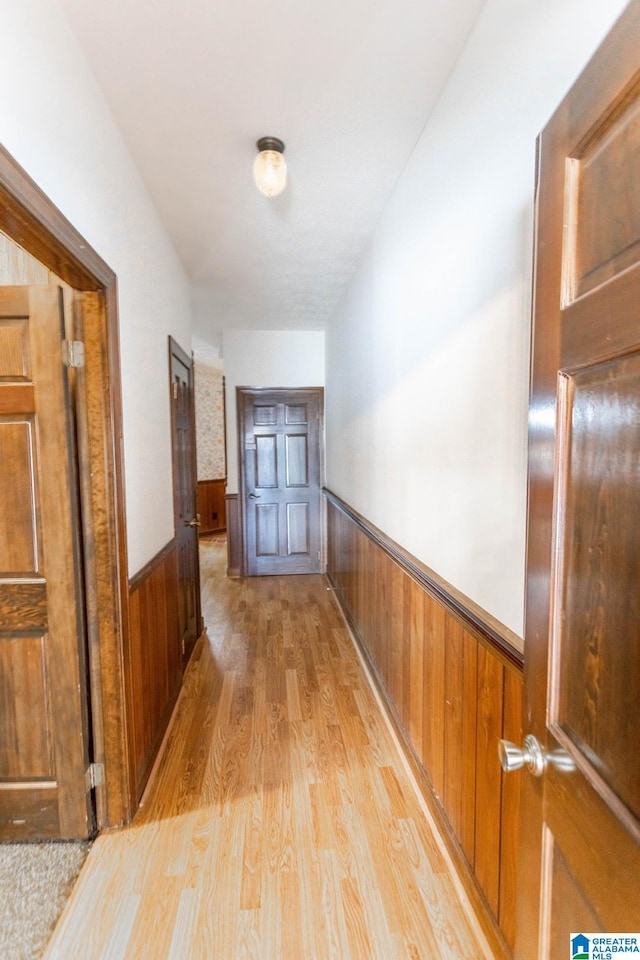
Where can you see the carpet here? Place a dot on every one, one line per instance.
(35, 882)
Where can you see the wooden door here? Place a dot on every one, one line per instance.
(184, 496)
(280, 479)
(43, 705)
(579, 869)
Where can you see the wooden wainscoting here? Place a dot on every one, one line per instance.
(154, 672)
(234, 536)
(452, 679)
(211, 505)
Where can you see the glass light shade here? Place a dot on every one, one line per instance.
(270, 172)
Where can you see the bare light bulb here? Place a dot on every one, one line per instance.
(270, 167)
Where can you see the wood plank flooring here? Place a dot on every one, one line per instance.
(280, 823)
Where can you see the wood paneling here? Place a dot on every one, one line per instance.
(211, 505)
(234, 535)
(489, 728)
(154, 671)
(510, 814)
(453, 687)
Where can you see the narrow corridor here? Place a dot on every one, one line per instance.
(281, 823)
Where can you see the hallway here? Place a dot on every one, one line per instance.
(280, 823)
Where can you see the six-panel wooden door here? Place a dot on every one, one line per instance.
(579, 869)
(280, 478)
(43, 690)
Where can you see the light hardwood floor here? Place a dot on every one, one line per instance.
(281, 823)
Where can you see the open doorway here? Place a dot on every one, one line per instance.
(28, 218)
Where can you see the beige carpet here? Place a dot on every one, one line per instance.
(35, 881)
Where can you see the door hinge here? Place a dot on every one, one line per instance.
(175, 389)
(94, 776)
(73, 353)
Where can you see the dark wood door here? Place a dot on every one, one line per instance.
(579, 868)
(43, 705)
(185, 496)
(280, 479)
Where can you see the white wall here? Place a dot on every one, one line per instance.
(56, 124)
(266, 358)
(427, 358)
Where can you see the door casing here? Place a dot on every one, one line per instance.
(29, 218)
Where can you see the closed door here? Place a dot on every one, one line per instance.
(280, 480)
(184, 496)
(579, 868)
(43, 690)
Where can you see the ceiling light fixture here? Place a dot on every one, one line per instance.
(270, 167)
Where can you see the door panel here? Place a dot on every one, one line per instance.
(580, 836)
(296, 459)
(43, 705)
(267, 530)
(594, 704)
(280, 478)
(184, 495)
(266, 460)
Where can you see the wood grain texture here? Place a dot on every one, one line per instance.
(452, 695)
(20, 537)
(43, 713)
(211, 505)
(28, 217)
(510, 819)
(17, 396)
(19, 267)
(23, 606)
(154, 665)
(26, 745)
(488, 813)
(103, 518)
(582, 612)
(461, 672)
(281, 822)
(502, 641)
(37, 804)
(234, 535)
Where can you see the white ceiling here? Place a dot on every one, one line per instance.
(347, 84)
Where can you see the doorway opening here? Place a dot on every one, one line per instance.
(33, 222)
